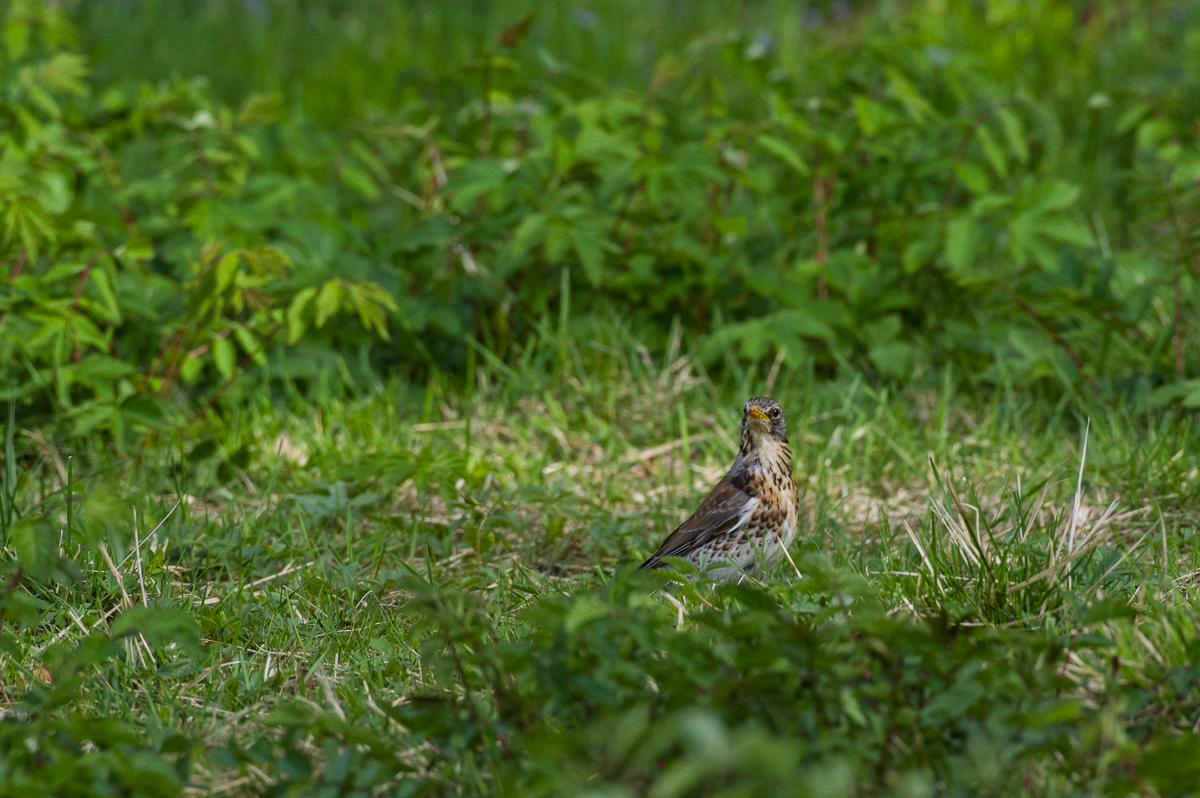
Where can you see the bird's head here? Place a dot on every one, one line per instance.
(762, 420)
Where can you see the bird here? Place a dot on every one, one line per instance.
(749, 519)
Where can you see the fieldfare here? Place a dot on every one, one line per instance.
(749, 518)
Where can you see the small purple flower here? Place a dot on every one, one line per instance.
(258, 8)
(842, 10)
(938, 56)
(586, 17)
(763, 41)
(811, 18)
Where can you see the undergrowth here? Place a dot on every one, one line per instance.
(342, 393)
(412, 592)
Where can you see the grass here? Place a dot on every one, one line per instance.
(294, 543)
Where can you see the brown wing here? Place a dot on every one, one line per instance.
(717, 514)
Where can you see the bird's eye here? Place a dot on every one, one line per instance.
(776, 413)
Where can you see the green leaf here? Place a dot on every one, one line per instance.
(920, 252)
(474, 179)
(919, 109)
(1052, 195)
(1106, 610)
(36, 545)
(529, 233)
(972, 176)
(357, 179)
(1066, 230)
(870, 114)
(953, 702)
(226, 271)
(895, 358)
(584, 610)
(1131, 116)
(799, 322)
(136, 249)
(962, 241)
(224, 357)
(260, 108)
(251, 345)
(328, 300)
(784, 152)
(1172, 764)
(108, 295)
(160, 626)
(992, 150)
(296, 313)
(590, 248)
(851, 707)
(1014, 133)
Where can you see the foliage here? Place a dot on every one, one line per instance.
(342, 388)
(403, 605)
(1008, 190)
(136, 233)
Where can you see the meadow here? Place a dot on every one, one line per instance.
(355, 353)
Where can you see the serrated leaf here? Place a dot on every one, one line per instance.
(328, 300)
(369, 300)
(108, 296)
(296, 313)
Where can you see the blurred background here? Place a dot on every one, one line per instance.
(353, 353)
(213, 200)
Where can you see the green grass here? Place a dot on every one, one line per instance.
(339, 563)
(338, 420)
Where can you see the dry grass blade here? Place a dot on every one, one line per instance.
(1088, 543)
(959, 535)
(1078, 489)
(644, 455)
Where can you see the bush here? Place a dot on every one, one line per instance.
(1002, 192)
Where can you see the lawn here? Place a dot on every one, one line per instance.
(415, 592)
(354, 354)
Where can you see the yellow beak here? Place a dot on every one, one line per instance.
(755, 412)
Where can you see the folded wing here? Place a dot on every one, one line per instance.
(720, 513)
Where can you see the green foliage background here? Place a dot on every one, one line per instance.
(362, 301)
(207, 200)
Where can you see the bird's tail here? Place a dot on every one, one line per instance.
(653, 563)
